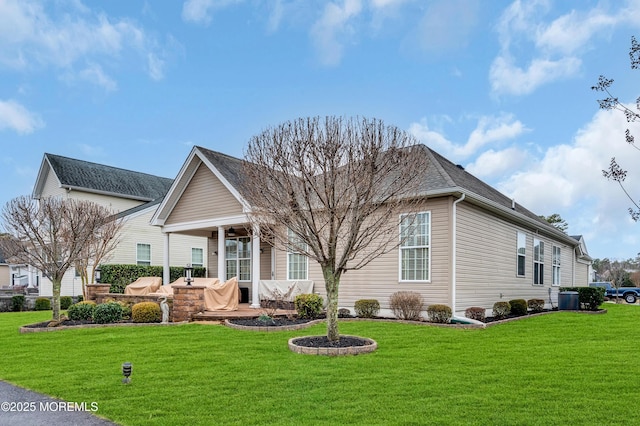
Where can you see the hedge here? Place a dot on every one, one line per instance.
(119, 276)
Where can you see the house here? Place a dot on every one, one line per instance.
(5, 274)
(134, 196)
(483, 247)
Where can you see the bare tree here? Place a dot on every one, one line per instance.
(339, 186)
(104, 241)
(50, 234)
(615, 172)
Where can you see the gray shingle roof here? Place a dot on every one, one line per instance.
(229, 166)
(99, 178)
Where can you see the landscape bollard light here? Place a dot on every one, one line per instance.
(187, 274)
(126, 372)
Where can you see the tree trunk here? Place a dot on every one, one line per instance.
(57, 284)
(331, 283)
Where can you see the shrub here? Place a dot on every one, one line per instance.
(126, 309)
(367, 308)
(475, 313)
(439, 313)
(518, 307)
(106, 313)
(43, 304)
(501, 309)
(589, 297)
(65, 302)
(536, 305)
(81, 311)
(406, 305)
(308, 305)
(18, 303)
(344, 313)
(146, 312)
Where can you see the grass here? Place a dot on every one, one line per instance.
(564, 368)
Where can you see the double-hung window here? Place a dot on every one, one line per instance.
(538, 262)
(143, 254)
(297, 263)
(415, 246)
(556, 265)
(521, 253)
(197, 257)
(238, 258)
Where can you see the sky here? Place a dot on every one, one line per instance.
(500, 87)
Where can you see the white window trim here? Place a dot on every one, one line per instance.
(523, 255)
(237, 259)
(554, 265)
(400, 248)
(150, 254)
(195, 264)
(540, 261)
(306, 261)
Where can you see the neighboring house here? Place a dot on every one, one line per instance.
(482, 246)
(133, 195)
(5, 273)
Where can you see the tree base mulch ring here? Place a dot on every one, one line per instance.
(321, 345)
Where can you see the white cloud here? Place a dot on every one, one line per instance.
(16, 117)
(568, 180)
(333, 29)
(31, 37)
(94, 74)
(493, 164)
(201, 11)
(489, 130)
(549, 50)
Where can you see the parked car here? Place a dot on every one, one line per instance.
(629, 294)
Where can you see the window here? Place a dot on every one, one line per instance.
(297, 264)
(197, 257)
(555, 261)
(521, 254)
(238, 258)
(143, 254)
(415, 247)
(538, 262)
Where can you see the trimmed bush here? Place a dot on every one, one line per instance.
(518, 307)
(439, 313)
(475, 313)
(406, 305)
(18, 303)
(81, 311)
(367, 308)
(119, 276)
(146, 312)
(65, 302)
(308, 305)
(43, 304)
(106, 313)
(589, 297)
(344, 313)
(501, 310)
(535, 305)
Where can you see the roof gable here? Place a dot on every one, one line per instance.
(101, 179)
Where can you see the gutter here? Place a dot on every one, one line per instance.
(454, 219)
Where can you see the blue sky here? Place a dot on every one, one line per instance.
(501, 87)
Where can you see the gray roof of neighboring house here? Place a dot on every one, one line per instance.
(93, 177)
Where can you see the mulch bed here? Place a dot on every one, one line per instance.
(66, 323)
(273, 322)
(324, 342)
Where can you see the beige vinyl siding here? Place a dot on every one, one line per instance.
(582, 275)
(380, 278)
(5, 275)
(51, 187)
(204, 198)
(486, 261)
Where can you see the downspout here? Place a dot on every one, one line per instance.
(454, 239)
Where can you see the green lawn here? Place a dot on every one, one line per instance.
(563, 368)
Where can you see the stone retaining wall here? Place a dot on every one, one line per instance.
(187, 300)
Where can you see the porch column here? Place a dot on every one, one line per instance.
(222, 276)
(166, 273)
(255, 267)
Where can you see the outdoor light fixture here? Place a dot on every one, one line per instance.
(187, 274)
(98, 271)
(126, 372)
(231, 232)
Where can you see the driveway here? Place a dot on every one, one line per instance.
(20, 406)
